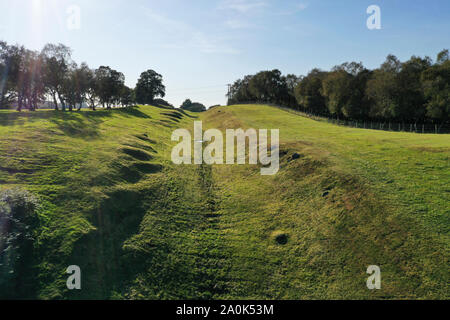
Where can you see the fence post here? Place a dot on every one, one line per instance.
(423, 128)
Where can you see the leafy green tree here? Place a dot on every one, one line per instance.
(309, 92)
(193, 106)
(91, 92)
(9, 66)
(11, 61)
(336, 89)
(57, 61)
(269, 86)
(83, 76)
(149, 86)
(443, 57)
(382, 89)
(240, 91)
(69, 91)
(30, 86)
(396, 89)
(291, 81)
(412, 101)
(127, 97)
(109, 84)
(344, 91)
(186, 104)
(436, 86)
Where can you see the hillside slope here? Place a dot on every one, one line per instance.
(141, 227)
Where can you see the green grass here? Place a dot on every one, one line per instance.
(142, 228)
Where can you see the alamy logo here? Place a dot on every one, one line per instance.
(374, 281)
(374, 20)
(258, 147)
(74, 280)
(74, 17)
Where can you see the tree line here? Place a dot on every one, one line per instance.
(193, 106)
(29, 78)
(417, 90)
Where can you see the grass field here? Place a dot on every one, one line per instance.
(141, 227)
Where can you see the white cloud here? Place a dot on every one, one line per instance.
(294, 9)
(243, 6)
(238, 24)
(179, 35)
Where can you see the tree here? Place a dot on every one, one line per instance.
(91, 92)
(10, 63)
(269, 86)
(291, 81)
(308, 92)
(382, 89)
(30, 87)
(70, 90)
(57, 60)
(443, 57)
(336, 89)
(127, 96)
(240, 91)
(83, 80)
(436, 87)
(186, 104)
(412, 101)
(193, 106)
(344, 90)
(396, 89)
(109, 84)
(359, 104)
(149, 86)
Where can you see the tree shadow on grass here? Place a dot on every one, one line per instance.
(80, 124)
(186, 114)
(13, 118)
(77, 123)
(132, 111)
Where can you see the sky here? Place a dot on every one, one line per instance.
(200, 46)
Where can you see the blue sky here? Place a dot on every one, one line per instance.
(199, 46)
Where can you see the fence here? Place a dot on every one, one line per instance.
(443, 128)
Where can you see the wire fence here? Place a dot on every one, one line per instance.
(435, 128)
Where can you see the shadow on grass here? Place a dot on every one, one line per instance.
(186, 114)
(77, 123)
(132, 111)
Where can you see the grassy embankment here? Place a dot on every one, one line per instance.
(141, 227)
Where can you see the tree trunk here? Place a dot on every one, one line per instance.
(55, 102)
(19, 104)
(63, 105)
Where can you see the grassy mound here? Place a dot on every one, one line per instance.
(140, 227)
